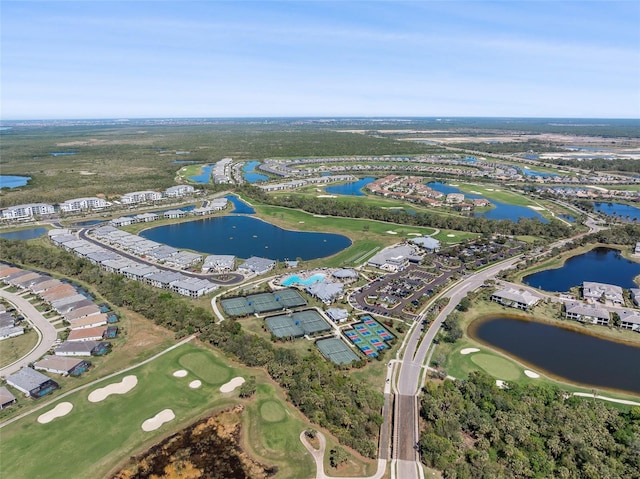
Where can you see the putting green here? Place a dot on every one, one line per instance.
(272, 411)
(496, 366)
(205, 367)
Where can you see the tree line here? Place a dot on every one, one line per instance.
(325, 393)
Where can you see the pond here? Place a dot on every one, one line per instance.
(602, 265)
(245, 236)
(203, 177)
(620, 210)
(24, 234)
(500, 211)
(564, 353)
(10, 181)
(529, 172)
(239, 206)
(83, 224)
(250, 174)
(353, 188)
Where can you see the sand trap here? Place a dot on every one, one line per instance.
(469, 351)
(537, 208)
(195, 384)
(531, 374)
(475, 193)
(60, 410)
(326, 196)
(300, 222)
(231, 385)
(124, 386)
(320, 216)
(414, 234)
(488, 189)
(392, 232)
(451, 236)
(158, 420)
(180, 373)
(501, 384)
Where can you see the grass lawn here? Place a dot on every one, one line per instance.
(496, 366)
(99, 435)
(14, 348)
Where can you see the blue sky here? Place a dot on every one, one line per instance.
(132, 59)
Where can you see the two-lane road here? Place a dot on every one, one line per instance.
(46, 332)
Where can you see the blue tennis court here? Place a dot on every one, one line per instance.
(369, 336)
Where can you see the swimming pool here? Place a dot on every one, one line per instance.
(295, 279)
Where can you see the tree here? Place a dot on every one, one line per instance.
(248, 389)
(337, 456)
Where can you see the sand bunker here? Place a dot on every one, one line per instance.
(537, 208)
(469, 350)
(392, 232)
(195, 384)
(320, 216)
(501, 384)
(326, 196)
(231, 385)
(300, 222)
(158, 420)
(60, 410)
(531, 374)
(414, 234)
(451, 236)
(180, 373)
(124, 386)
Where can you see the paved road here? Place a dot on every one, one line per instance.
(229, 278)
(46, 332)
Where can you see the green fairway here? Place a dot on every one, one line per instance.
(272, 411)
(205, 367)
(496, 366)
(90, 440)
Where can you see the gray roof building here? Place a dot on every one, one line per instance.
(629, 319)
(426, 242)
(6, 398)
(589, 313)
(31, 382)
(258, 265)
(515, 298)
(337, 315)
(219, 262)
(325, 292)
(61, 364)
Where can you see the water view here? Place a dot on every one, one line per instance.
(250, 174)
(602, 265)
(83, 224)
(529, 172)
(24, 234)
(203, 177)
(10, 181)
(620, 210)
(353, 188)
(245, 236)
(501, 211)
(564, 353)
(239, 206)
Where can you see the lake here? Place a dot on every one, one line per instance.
(10, 181)
(203, 177)
(239, 206)
(245, 236)
(564, 353)
(353, 188)
(618, 209)
(602, 265)
(250, 174)
(24, 234)
(501, 211)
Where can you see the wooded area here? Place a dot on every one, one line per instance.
(474, 429)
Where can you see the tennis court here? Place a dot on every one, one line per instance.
(284, 327)
(262, 302)
(311, 321)
(290, 298)
(336, 351)
(369, 336)
(236, 307)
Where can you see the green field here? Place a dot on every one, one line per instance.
(94, 437)
(14, 348)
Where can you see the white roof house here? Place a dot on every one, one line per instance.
(325, 292)
(193, 287)
(122, 221)
(257, 265)
(179, 190)
(630, 319)
(515, 298)
(426, 242)
(140, 197)
(395, 258)
(79, 204)
(219, 262)
(594, 291)
(589, 313)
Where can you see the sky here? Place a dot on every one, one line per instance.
(138, 59)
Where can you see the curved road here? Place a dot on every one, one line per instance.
(46, 332)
